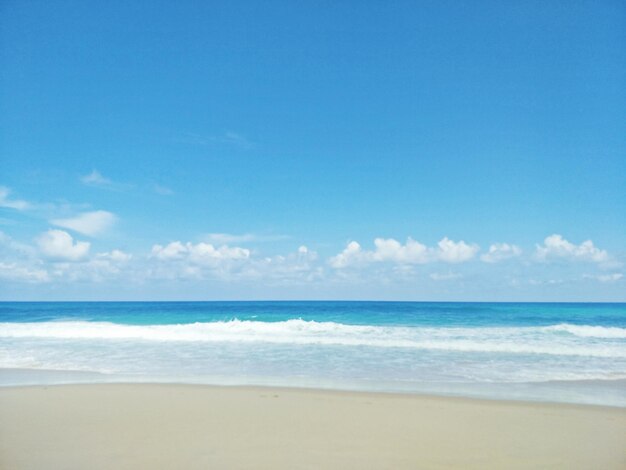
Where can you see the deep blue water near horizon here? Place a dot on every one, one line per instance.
(350, 312)
(572, 352)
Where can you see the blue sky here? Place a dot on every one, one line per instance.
(213, 150)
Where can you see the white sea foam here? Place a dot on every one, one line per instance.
(587, 331)
(562, 339)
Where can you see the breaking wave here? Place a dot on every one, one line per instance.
(561, 339)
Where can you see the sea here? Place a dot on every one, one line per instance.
(553, 352)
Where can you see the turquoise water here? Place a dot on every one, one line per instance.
(357, 313)
(537, 351)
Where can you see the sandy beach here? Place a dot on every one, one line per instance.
(193, 426)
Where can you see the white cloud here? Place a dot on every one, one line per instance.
(97, 180)
(20, 262)
(203, 252)
(15, 246)
(88, 223)
(606, 277)
(58, 244)
(173, 250)
(445, 276)
(59, 258)
(293, 268)
(16, 204)
(99, 268)
(16, 272)
(116, 256)
(412, 252)
(351, 255)
(455, 252)
(391, 250)
(555, 246)
(205, 261)
(501, 251)
(199, 253)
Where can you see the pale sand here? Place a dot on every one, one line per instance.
(192, 426)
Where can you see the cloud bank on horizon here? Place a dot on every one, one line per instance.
(60, 257)
(57, 257)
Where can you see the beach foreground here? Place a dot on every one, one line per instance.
(193, 426)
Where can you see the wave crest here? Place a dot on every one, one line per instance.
(562, 339)
(587, 331)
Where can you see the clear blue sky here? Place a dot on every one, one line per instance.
(128, 126)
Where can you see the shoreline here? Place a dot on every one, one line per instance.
(200, 426)
(314, 390)
(607, 393)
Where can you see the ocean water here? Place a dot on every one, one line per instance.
(530, 351)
